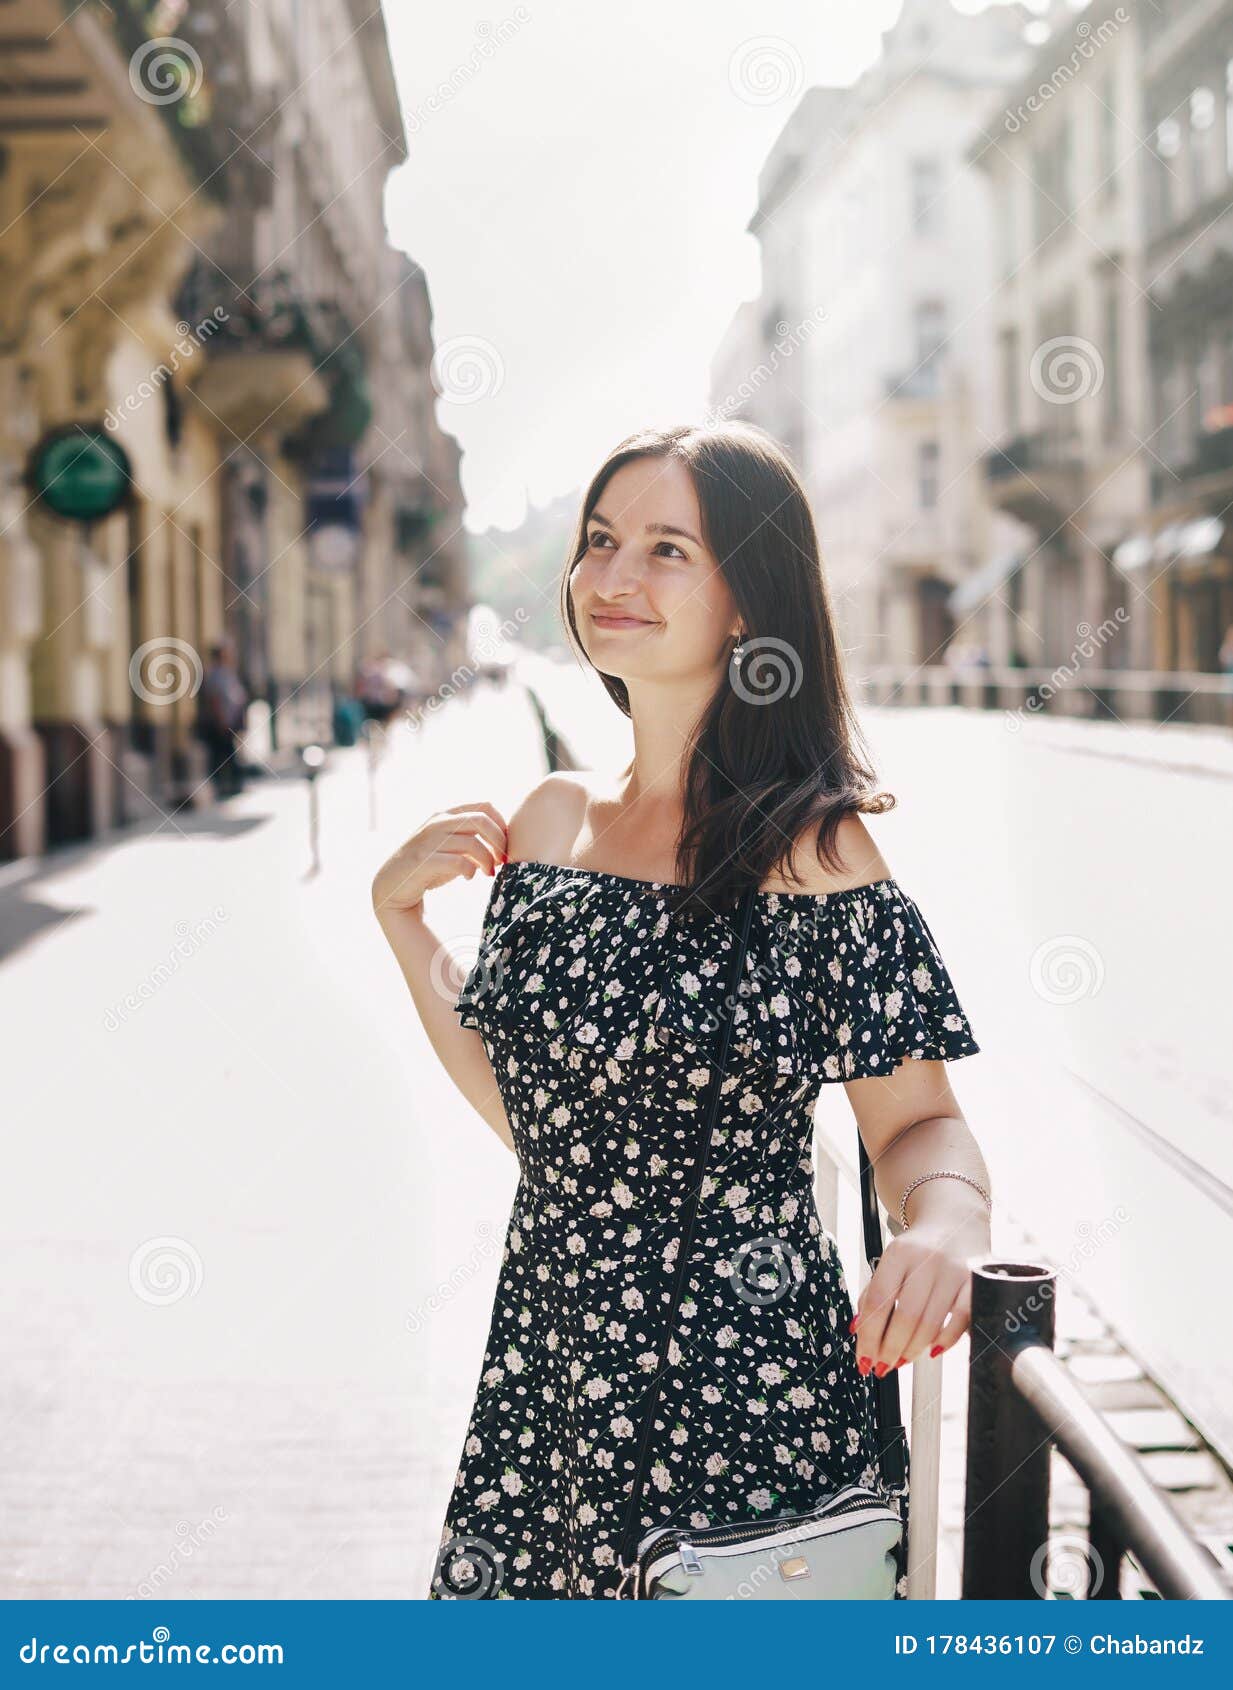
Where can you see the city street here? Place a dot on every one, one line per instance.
(252, 1232)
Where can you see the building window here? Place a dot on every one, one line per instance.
(926, 178)
(930, 330)
(1204, 169)
(1051, 173)
(927, 460)
(1108, 139)
(1004, 223)
(1209, 384)
(1008, 345)
(1112, 355)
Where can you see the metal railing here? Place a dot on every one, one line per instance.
(1128, 695)
(1022, 1403)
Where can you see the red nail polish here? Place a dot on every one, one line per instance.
(936, 1350)
(852, 1323)
(864, 1363)
(901, 1361)
(881, 1369)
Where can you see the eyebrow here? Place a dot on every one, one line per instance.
(653, 528)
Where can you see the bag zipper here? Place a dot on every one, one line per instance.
(865, 1502)
(706, 1535)
(721, 1060)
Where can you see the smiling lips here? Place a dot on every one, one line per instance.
(617, 619)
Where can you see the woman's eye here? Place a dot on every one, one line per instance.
(667, 544)
(596, 538)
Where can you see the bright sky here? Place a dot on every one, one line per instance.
(579, 201)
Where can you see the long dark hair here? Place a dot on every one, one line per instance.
(778, 750)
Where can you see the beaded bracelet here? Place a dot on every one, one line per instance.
(939, 1173)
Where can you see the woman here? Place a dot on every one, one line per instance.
(584, 1034)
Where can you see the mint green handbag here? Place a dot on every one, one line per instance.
(847, 1549)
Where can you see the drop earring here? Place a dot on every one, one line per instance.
(738, 650)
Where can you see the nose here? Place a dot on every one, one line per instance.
(620, 573)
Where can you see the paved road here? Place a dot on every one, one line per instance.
(249, 1228)
(251, 1233)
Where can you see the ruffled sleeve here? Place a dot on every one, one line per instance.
(860, 982)
(870, 985)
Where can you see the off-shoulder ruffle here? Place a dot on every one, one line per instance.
(836, 987)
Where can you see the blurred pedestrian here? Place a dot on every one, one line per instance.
(377, 687)
(222, 706)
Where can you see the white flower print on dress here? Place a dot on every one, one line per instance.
(598, 1005)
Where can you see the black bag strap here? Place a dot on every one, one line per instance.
(888, 1413)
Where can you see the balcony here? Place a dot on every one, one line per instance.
(276, 361)
(180, 76)
(1037, 478)
(1204, 466)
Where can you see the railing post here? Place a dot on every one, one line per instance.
(1006, 1505)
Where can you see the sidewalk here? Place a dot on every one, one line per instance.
(247, 1234)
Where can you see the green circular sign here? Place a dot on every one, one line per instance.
(80, 472)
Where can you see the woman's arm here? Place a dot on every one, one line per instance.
(461, 1049)
(462, 841)
(911, 1124)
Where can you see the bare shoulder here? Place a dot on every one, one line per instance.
(854, 844)
(546, 823)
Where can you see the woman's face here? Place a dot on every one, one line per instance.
(649, 597)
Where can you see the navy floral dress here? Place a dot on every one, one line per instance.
(598, 1006)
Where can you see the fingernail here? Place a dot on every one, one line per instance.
(864, 1363)
(936, 1350)
(853, 1323)
(882, 1368)
(901, 1361)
